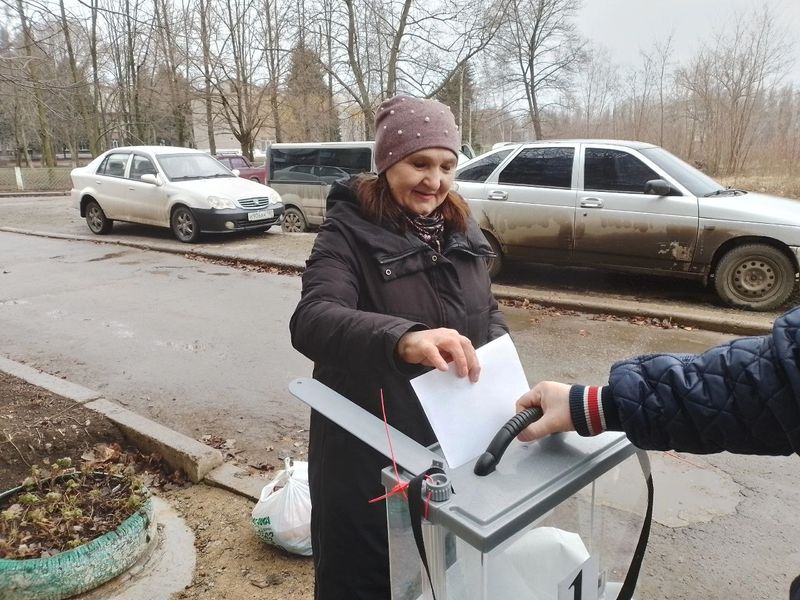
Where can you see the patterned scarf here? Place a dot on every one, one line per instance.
(429, 229)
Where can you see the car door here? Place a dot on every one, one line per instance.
(618, 224)
(528, 204)
(145, 202)
(292, 178)
(110, 184)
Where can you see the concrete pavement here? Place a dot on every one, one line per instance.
(289, 251)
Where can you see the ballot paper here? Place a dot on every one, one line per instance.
(465, 416)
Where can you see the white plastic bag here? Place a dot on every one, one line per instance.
(282, 516)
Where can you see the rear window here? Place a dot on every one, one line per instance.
(114, 165)
(482, 168)
(543, 167)
(318, 165)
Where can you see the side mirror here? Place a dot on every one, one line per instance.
(150, 178)
(236, 172)
(659, 187)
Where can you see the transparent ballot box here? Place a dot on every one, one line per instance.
(561, 518)
(558, 519)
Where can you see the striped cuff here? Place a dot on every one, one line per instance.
(586, 408)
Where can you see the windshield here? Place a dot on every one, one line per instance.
(694, 180)
(182, 167)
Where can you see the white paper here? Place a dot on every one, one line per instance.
(465, 416)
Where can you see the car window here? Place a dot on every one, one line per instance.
(141, 165)
(179, 167)
(607, 170)
(114, 165)
(238, 162)
(350, 160)
(544, 167)
(697, 182)
(225, 161)
(325, 171)
(482, 168)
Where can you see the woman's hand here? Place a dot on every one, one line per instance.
(553, 398)
(437, 347)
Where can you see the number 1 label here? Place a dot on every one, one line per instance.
(581, 583)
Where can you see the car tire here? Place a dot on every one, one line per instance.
(184, 225)
(495, 263)
(755, 277)
(293, 221)
(96, 219)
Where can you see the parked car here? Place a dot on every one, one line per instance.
(243, 167)
(633, 206)
(296, 173)
(303, 172)
(325, 173)
(186, 190)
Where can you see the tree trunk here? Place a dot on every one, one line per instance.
(212, 143)
(45, 139)
(82, 109)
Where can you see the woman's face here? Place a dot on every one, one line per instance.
(420, 182)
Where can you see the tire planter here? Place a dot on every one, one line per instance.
(80, 569)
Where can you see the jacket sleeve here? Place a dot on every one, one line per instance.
(327, 326)
(740, 397)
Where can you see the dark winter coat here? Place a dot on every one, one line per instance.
(363, 288)
(742, 397)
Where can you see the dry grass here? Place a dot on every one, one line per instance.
(779, 185)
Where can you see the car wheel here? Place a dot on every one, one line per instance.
(255, 179)
(293, 221)
(96, 219)
(495, 263)
(754, 276)
(184, 225)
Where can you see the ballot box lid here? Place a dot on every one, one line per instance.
(530, 480)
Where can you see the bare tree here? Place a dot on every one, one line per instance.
(30, 69)
(597, 84)
(381, 47)
(241, 97)
(546, 49)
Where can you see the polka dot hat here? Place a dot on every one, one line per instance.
(404, 125)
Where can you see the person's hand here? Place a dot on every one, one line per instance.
(436, 348)
(553, 398)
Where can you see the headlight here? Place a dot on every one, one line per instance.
(219, 202)
(274, 197)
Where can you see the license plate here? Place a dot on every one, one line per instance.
(259, 215)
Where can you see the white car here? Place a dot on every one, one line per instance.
(183, 189)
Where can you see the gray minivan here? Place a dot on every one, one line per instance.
(302, 173)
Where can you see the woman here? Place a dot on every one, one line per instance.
(396, 283)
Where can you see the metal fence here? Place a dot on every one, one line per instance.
(43, 179)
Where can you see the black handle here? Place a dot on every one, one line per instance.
(487, 462)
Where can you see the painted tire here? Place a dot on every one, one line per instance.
(80, 569)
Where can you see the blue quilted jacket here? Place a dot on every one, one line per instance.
(742, 397)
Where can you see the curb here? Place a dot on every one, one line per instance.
(31, 194)
(699, 318)
(298, 265)
(199, 461)
(703, 318)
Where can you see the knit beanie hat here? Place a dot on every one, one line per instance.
(404, 125)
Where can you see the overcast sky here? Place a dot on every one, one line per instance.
(626, 26)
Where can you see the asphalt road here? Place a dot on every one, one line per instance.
(204, 349)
